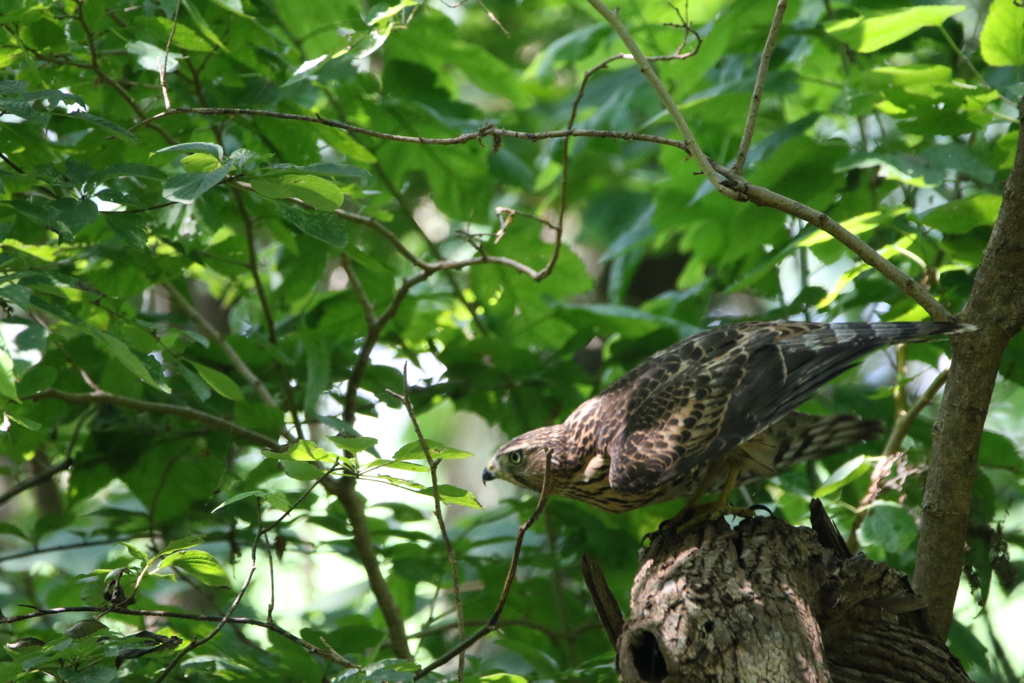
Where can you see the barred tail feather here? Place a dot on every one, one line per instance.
(803, 438)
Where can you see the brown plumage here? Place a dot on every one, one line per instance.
(721, 400)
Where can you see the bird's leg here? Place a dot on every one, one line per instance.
(694, 513)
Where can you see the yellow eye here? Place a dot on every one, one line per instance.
(515, 457)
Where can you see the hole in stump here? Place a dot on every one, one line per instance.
(648, 659)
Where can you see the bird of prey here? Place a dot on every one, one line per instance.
(704, 413)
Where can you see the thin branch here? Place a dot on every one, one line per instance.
(53, 469)
(902, 426)
(762, 196)
(452, 561)
(167, 52)
(11, 163)
(486, 131)
(231, 610)
(755, 97)
(492, 623)
(185, 412)
(357, 286)
(666, 99)
(236, 361)
(94, 66)
(59, 548)
(355, 508)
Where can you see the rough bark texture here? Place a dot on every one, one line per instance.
(996, 306)
(769, 602)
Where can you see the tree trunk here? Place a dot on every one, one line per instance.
(770, 602)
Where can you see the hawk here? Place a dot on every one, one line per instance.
(712, 410)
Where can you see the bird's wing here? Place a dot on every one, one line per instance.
(704, 396)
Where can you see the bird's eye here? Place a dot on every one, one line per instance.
(515, 457)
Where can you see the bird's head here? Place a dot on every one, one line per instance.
(523, 459)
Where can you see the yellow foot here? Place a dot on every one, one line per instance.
(691, 517)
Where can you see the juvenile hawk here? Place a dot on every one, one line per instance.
(693, 417)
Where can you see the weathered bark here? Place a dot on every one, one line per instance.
(769, 602)
(996, 306)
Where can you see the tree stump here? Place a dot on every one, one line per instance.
(769, 602)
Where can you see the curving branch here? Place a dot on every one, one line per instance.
(45, 475)
(666, 99)
(762, 196)
(452, 561)
(492, 623)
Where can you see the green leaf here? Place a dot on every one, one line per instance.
(353, 444)
(438, 451)
(963, 215)
(233, 6)
(242, 496)
(200, 162)
(200, 564)
(850, 471)
(303, 450)
(1002, 36)
(868, 34)
(453, 495)
(322, 168)
(219, 382)
(326, 227)
(398, 465)
(319, 193)
(185, 188)
(888, 525)
(136, 553)
(998, 451)
(130, 228)
(183, 544)
(71, 215)
(119, 131)
(265, 419)
(153, 58)
(7, 380)
(303, 471)
(119, 350)
(210, 148)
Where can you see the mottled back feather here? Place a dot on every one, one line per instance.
(720, 399)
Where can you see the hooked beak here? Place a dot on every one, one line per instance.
(489, 474)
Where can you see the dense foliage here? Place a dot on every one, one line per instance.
(204, 312)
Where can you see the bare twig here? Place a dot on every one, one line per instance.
(755, 97)
(94, 66)
(357, 286)
(452, 561)
(231, 610)
(486, 131)
(10, 163)
(167, 52)
(101, 396)
(666, 99)
(492, 623)
(902, 426)
(45, 475)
